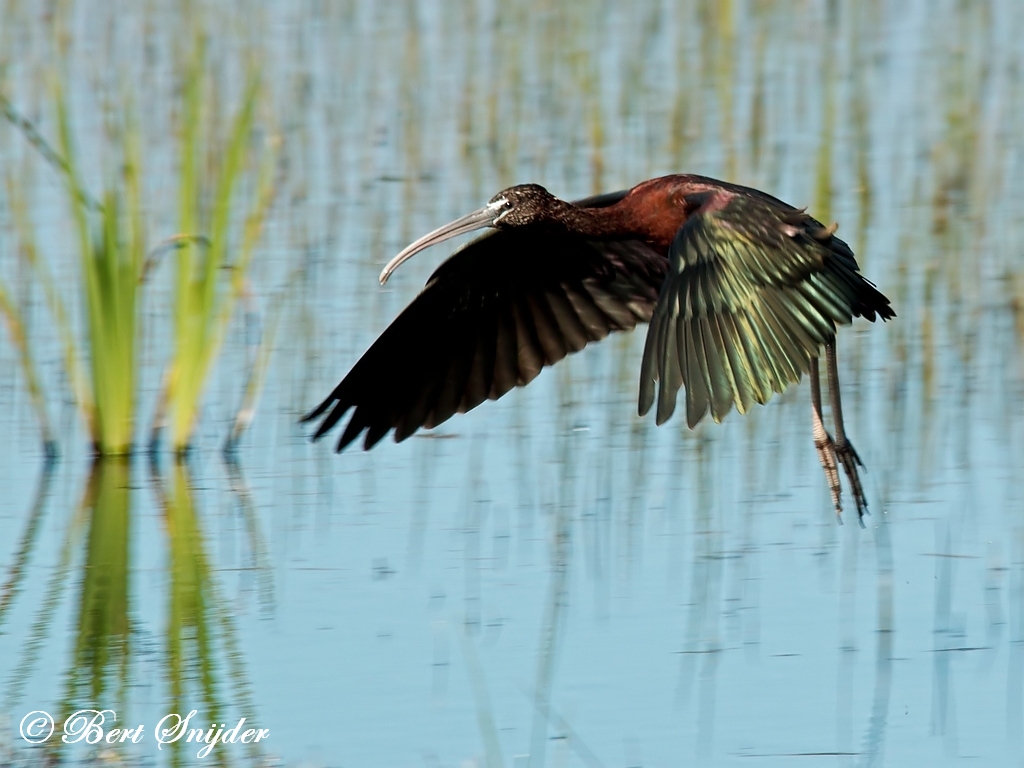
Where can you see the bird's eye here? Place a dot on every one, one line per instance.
(501, 206)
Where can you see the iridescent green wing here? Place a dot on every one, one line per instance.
(754, 288)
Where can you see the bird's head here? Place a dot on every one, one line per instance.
(521, 205)
(513, 207)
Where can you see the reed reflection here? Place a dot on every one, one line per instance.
(201, 638)
(15, 577)
(99, 673)
(201, 657)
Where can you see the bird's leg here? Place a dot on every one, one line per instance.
(844, 450)
(822, 442)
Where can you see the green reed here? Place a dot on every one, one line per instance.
(111, 248)
(110, 240)
(260, 365)
(38, 267)
(16, 330)
(203, 307)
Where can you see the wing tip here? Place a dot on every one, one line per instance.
(646, 398)
(317, 412)
(666, 406)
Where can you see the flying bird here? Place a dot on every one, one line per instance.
(741, 292)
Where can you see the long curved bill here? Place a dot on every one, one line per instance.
(483, 217)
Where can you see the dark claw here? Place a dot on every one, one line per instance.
(850, 460)
(853, 454)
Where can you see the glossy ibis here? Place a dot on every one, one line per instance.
(741, 290)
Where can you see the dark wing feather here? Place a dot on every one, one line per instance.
(754, 288)
(489, 319)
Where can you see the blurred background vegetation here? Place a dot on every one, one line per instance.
(169, 145)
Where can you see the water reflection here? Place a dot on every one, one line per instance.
(41, 624)
(191, 626)
(100, 661)
(17, 570)
(199, 657)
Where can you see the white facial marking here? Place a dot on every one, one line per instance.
(501, 204)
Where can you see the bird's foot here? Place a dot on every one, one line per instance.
(826, 449)
(850, 460)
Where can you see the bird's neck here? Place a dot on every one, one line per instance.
(624, 220)
(610, 222)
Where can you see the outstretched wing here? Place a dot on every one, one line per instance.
(754, 288)
(490, 317)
